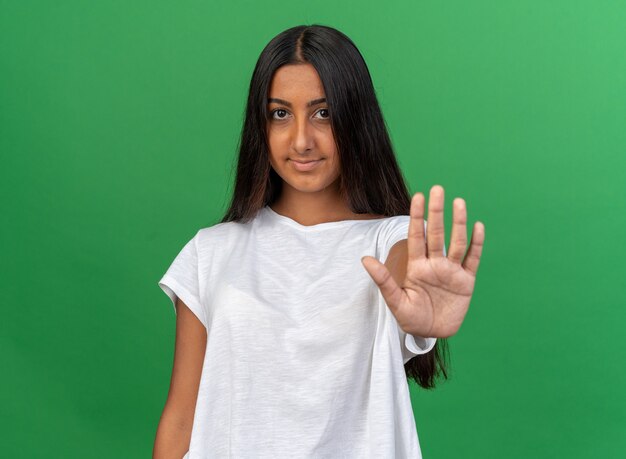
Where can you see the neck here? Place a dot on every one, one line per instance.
(311, 208)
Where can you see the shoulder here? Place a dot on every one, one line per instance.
(391, 225)
(397, 223)
(219, 233)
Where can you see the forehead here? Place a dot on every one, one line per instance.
(295, 81)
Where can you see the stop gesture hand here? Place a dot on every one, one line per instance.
(435, 294)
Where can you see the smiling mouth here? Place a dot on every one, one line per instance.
(304, 166)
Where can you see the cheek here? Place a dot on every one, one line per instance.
(277, 142)
(330, 150)
(335, 164)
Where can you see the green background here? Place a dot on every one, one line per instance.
(118, 130)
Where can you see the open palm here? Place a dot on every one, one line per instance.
(435, 295)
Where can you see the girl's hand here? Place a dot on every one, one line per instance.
(435, 295)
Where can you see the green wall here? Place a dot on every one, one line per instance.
(118, 130)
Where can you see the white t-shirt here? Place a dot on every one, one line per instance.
(304, 358)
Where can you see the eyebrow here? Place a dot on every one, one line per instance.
(288, 104)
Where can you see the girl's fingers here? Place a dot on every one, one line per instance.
(458, 237)
(472, 259)
(434, 227)
(416, 244)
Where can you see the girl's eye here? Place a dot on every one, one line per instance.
(324, 113)
(280, 112)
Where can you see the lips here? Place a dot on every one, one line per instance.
(304, 166)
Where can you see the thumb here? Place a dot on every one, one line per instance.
(392, 293)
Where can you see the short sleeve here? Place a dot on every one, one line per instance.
(412, 345)
(181, 280)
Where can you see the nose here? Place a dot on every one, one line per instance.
(302, 136)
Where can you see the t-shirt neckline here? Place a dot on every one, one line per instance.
(319, 226)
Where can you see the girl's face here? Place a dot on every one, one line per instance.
(301, 144)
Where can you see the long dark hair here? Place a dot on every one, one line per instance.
(370, 181)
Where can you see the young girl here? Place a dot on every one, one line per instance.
(292, 339)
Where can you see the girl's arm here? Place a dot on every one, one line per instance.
(174, 430)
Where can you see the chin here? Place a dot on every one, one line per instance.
(309, 184)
